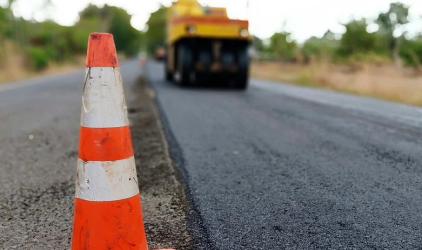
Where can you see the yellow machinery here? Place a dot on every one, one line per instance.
(204, 45)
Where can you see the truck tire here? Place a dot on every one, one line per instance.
(185, 65)
(169, 76)
(243, 69)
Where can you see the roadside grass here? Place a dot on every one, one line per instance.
(378, 81)
(14, 66)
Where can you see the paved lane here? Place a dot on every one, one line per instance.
(285, 167)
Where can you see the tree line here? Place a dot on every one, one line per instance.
(44, 42)
(41, 43)
(388, 43)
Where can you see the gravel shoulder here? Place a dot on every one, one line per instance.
(163, 198)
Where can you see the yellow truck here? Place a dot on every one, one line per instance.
(204, 45)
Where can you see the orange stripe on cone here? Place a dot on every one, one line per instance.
(108, 225)
(105, 144)
(101, 51)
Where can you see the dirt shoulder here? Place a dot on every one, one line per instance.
(163, 198)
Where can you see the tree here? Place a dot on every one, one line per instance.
(108, 19)
(156, 33)
(5, 31)
(258, 44)
(321, 48)
(127, 39)
(357, 40)
(99, 16)
(390, 22)
(283, 46)
(411, 52)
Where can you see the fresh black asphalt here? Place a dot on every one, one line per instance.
(285, 167)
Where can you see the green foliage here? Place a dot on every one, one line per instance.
(112, 20)
(389, 22)
(37, 58)
(127, 39)
(56, 40)
(320, 48)
(258, 44)
(368, 57)
(80, 32)
(283, 46)
(93, 12)
(5, 27)
(357, 40)
(356, 44)
(395, 16)
(304, 79)
(156, 34)
(44, 42)
(411, 52)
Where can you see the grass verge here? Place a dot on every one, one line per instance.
(383, 81)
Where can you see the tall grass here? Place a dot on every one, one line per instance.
(382, 80)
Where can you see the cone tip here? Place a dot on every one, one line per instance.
(101, 51)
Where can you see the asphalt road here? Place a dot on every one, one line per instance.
(274, 167)
(285, 167)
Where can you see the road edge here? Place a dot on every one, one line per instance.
(195, 222)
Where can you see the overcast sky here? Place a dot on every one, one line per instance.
(304, 18)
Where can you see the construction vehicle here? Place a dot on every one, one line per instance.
(204, 45)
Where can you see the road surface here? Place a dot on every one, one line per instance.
(274, 167)
(285, 167)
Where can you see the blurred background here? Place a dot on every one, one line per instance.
(371, 48)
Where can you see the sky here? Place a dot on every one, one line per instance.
(303, 18)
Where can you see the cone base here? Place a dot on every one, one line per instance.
(108, 225)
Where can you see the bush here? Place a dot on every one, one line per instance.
(411, 52)
(370, 57)
(37, 58)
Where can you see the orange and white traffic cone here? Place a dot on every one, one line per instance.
(107, 211)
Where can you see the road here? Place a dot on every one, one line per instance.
(285, 167)
(274, 167)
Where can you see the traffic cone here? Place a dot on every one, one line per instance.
(107, 211)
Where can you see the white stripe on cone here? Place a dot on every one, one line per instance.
(106, 180)
(103, 101)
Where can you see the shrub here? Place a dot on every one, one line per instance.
(411, 52)
(37, 58)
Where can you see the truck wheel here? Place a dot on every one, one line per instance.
(243, 69)
(228, 58)
(169, 76)
(185, 66)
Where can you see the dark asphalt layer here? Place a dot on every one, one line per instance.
(285, 167)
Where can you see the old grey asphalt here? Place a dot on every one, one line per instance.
(285, 167)
(37, 174)
(39, 131)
